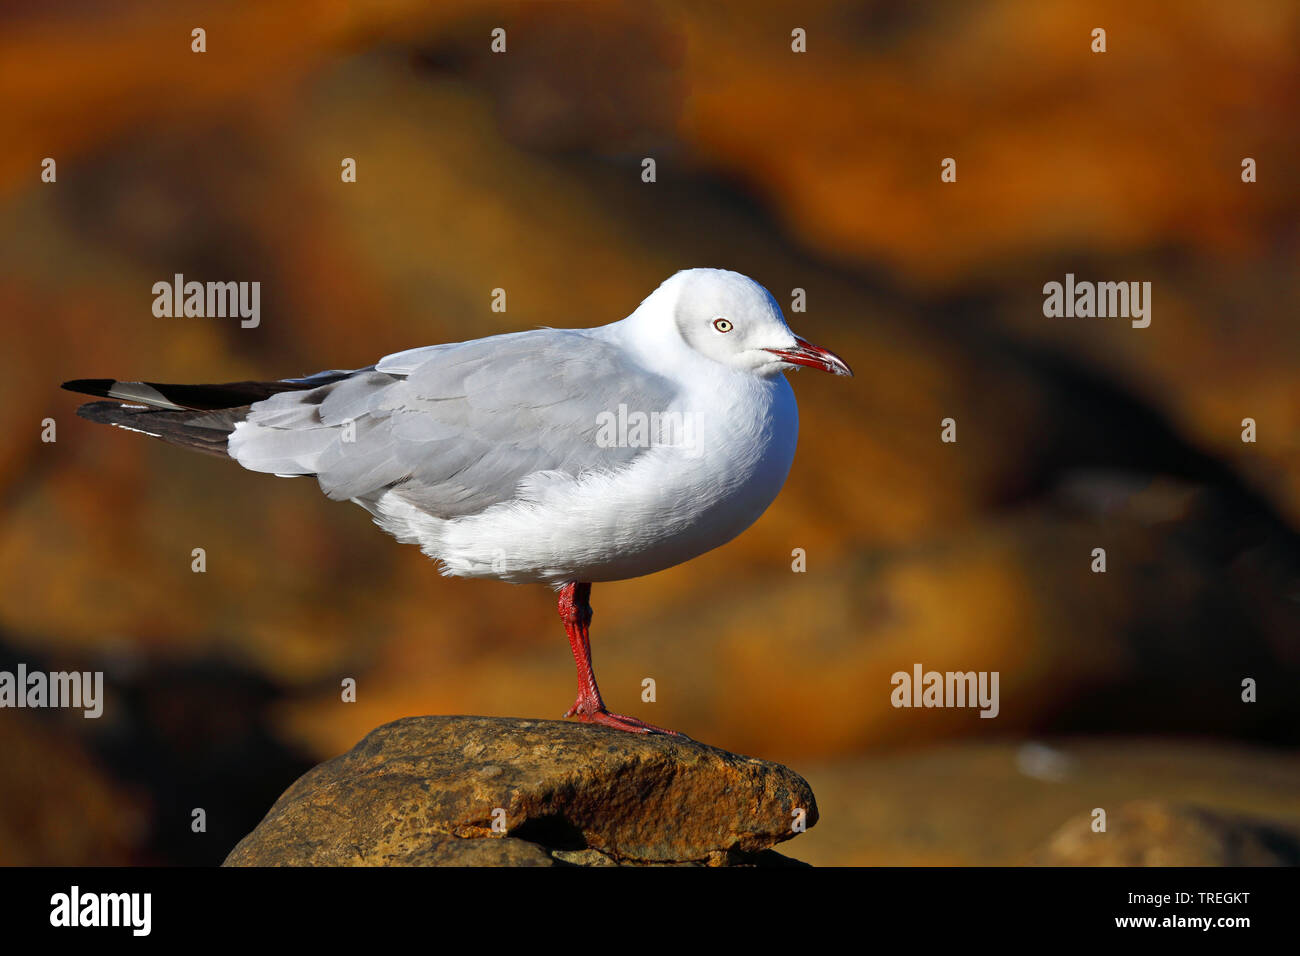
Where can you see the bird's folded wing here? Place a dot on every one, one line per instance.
(459, 427)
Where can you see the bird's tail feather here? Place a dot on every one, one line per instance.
(198, 417)
(205, 431)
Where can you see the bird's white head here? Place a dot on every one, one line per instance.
(733, 320)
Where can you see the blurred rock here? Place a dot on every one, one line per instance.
(58, 805)
(1155, 833)
(424, 791)
(972, 803)
(122, 789)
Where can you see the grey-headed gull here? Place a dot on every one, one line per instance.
(563, 456)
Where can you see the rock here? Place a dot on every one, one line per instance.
(423, 791)
(999, 802)
(1155, 833)
(455, 851)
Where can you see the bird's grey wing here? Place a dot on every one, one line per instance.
(456, 428)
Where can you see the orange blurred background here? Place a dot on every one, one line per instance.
(816, 170)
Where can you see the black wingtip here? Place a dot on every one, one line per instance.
(90, 386)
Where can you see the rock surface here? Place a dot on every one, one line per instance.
(425, 791)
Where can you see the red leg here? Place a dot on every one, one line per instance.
(575, 612)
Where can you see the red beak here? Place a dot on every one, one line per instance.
(813, 356)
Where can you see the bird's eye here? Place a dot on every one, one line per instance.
(722, 325)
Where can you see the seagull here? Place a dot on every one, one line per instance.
(560, 456)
